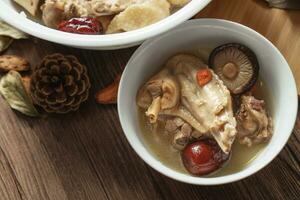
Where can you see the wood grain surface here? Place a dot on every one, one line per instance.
(281, 27)
(85, 155)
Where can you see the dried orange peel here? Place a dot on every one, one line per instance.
(109, 94)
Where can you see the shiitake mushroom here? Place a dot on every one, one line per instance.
(236, 65)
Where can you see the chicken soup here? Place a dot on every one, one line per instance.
(205, 119)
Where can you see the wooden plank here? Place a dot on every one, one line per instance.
(85, 155)
(281, 27)
(9, 185)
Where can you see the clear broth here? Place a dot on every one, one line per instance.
(159, 142)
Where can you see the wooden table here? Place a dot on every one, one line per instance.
(85, 155)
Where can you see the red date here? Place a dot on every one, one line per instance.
(83, 25)
(203, 157)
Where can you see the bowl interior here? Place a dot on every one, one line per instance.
(209, 33)
(10, 14)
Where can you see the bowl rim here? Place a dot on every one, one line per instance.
(153, 162)
(25, 24)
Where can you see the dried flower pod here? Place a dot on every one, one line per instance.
(59, 84)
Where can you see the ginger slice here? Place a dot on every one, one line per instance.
(139, 15)
(109, 94)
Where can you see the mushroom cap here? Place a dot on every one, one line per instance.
(236, 65)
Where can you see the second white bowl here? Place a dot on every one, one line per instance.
(150, 57)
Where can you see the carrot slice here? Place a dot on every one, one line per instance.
(204, 76)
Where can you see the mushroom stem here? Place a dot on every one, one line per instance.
(153, 110)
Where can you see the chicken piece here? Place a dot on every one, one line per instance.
(109, 7)
(162, 84)
(253, 124)
(182, 137)
(155, 88)
(178, 121)
(162, 90)
(186, 129)
(30, 5)
(55, 11)
(210, 105)
(207, 109)
(183, 113)
(171, 126)
(105, 21)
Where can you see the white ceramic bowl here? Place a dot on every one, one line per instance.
(10, 14)
(150, 57)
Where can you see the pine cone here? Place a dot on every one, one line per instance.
(59, 84)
